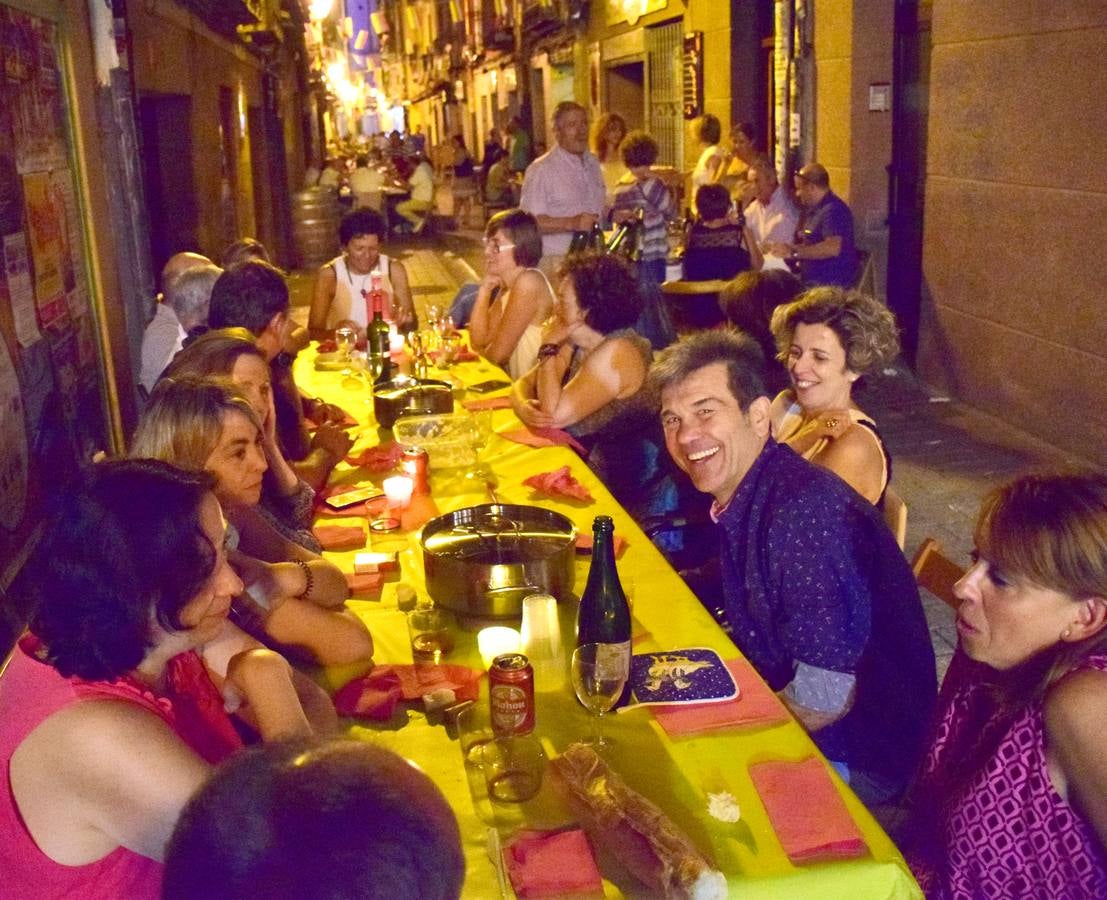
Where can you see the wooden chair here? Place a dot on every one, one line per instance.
(895, 515)
(936, 572)
(693, 305)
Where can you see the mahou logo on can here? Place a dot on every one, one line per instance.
(511, 695)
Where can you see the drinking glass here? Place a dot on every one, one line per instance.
(479, 432)
(451, 347)
(345, 339)
(599, 676)
(513, 768)
(429, 630)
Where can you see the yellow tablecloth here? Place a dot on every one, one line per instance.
(675, 774)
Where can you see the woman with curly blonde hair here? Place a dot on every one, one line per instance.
(827, 339)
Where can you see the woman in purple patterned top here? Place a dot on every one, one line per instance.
(1012, 798)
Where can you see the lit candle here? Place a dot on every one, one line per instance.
(395, 339)
(398, 491)
(496, 640)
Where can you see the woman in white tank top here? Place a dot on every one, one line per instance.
(342, 285)
(514, 299)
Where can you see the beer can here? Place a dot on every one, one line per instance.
(511, 694)
(415, 463)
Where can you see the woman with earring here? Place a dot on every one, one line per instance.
(827, 339)
(1011, 800)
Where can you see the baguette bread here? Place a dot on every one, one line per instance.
(633, 829)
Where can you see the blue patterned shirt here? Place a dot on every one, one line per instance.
(813, 577)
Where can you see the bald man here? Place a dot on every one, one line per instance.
(183, 304)
(823, 249)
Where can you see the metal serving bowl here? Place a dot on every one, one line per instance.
(482, 561)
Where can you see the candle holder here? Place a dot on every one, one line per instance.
(495, 641)
(398, 490)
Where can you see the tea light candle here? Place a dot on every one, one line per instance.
(395, 339)
(496, 640)
(398, 490)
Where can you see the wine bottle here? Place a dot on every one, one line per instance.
(596, 241)
(578, 243)
(603, 616)
(378, 336)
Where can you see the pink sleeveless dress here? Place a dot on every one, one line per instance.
(992, 824)
(30, 692)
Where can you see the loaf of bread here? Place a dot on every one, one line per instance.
(632, 829)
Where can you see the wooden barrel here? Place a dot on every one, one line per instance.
(315, 215)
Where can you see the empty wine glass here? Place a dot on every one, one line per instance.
(599, 673)
(479, 432)
(345, 341)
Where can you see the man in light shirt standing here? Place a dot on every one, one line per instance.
(771, 215)
(563, 189)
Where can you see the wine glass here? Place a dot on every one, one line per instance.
(478, 432)
(345, 342)
(599, 674)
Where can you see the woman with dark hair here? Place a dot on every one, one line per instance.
(242, 250)
(287, 501)
(342, 285)
(514, 297)
(748, 302)
(112, 706)
(1012, 797)
(827, 339)
(718, 248)
(293, 597)
(592, 369)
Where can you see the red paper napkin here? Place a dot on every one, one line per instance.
(755, 704)
(381, 458)
(806, 811)
(544, 437)
(365, 585)
(549, 864)
(368, 510)
(340, 537)
(374, 696)
(487, 403)
(585, 542)
(558, 483)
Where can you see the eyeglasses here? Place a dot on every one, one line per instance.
(495, 246)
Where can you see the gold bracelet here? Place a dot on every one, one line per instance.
(309, 578)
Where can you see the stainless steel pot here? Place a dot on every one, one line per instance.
(482, 561)
(407, 396)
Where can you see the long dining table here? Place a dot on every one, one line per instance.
(676, 773)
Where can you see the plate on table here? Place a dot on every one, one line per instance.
(694, 675)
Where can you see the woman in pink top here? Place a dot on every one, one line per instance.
(112, 708)
(1012, 798)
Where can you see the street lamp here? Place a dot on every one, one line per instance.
(319, 9)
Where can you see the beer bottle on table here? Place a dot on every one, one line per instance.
(603, 616)
(378, 337)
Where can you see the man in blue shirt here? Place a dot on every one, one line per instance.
(823, 250)
(817, 593)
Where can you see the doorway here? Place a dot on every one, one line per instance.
(166, 123)
(907, 172)
(625, 92)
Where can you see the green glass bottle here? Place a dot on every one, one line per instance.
(603, 616)
(378, 336)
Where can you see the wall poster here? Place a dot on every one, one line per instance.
(52, 415)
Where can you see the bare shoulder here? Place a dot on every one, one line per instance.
(96, 739)
(326, 273)
(396, 269)
(1076, 707)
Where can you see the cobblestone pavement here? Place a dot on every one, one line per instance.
(946, 456)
